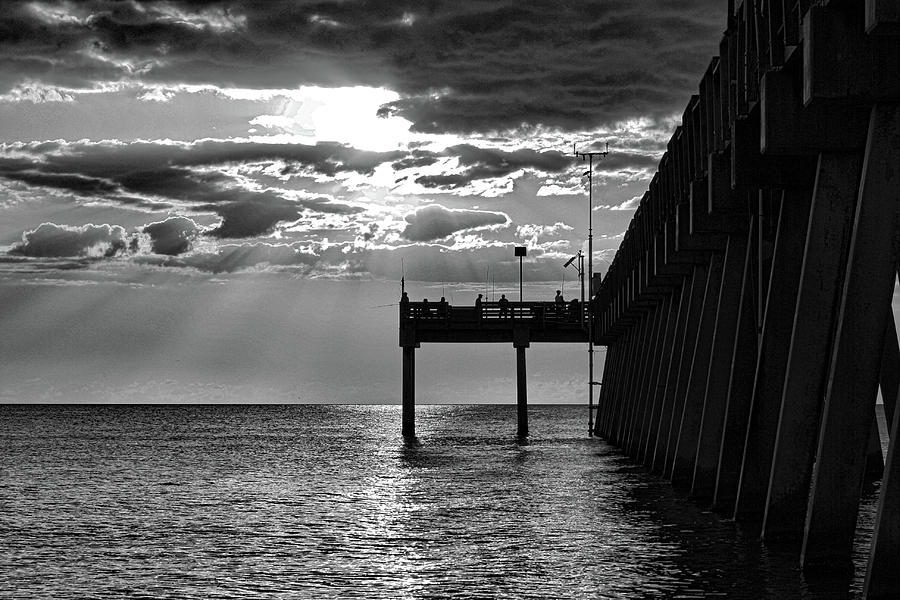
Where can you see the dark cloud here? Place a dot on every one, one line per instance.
(453, 180)
(434, 222)
(51, 240)
(172, 236)
(152, 174)
(140, 159)
(155, 174)
(73, 182)
(628, 161)
(460, 67)
(251, 215)
(505, 162)
(324, 205)
(490, 163)
(177, 183)
(418, 159)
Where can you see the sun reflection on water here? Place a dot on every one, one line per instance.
(329, 501)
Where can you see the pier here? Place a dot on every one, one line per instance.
(516, 323)
(747, 313)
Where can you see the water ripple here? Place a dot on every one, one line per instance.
(328, 502)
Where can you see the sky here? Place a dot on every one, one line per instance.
(212, 201)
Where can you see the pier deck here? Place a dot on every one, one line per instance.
(522, 323)
(516, 323)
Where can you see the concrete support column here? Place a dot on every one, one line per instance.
(856, 358)
(598, 401)
(521, 393)
(610, 366)
(611, 383)
(692, 325)
(775, 340)
(710, 434)
(623, 395)
(618, 395)
(658, 391)
(668, 396)
(824, 261)
(882, 575)
(688, 430)
(639, 430)
(636, 399)
(740, 386)
(874, 457)
(409, 391)
(890, 369)
(650, 392)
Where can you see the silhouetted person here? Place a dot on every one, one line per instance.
(404, 305)
(574, 310)
(442, 308)
(426, 310)
(478, 306)
(560, 303)
(504, 306)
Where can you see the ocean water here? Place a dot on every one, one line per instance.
(315, 501)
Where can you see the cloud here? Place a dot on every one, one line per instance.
(498, 66)
(620, 160)
(491, 163)
(230, 258)
(139, 165)
(461, 67)
(535, 231)
(208, 176)
(630, 204)
(73, 182)
(417, 159)
(167, 243)
(454, 180)
(433, 262)
(38, 94)
(505, 162)
(172, 236)
(254, 214)
(51, 240)
(435, 222)
(158, 174)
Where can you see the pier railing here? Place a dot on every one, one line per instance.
(536, 314)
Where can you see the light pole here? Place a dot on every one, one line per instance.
(590, 158)
(520, 252)
(580, 269)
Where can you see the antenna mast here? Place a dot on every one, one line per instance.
(589, 156)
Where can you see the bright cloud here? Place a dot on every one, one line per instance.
(51, 240)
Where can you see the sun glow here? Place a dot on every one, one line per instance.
(345, 114)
